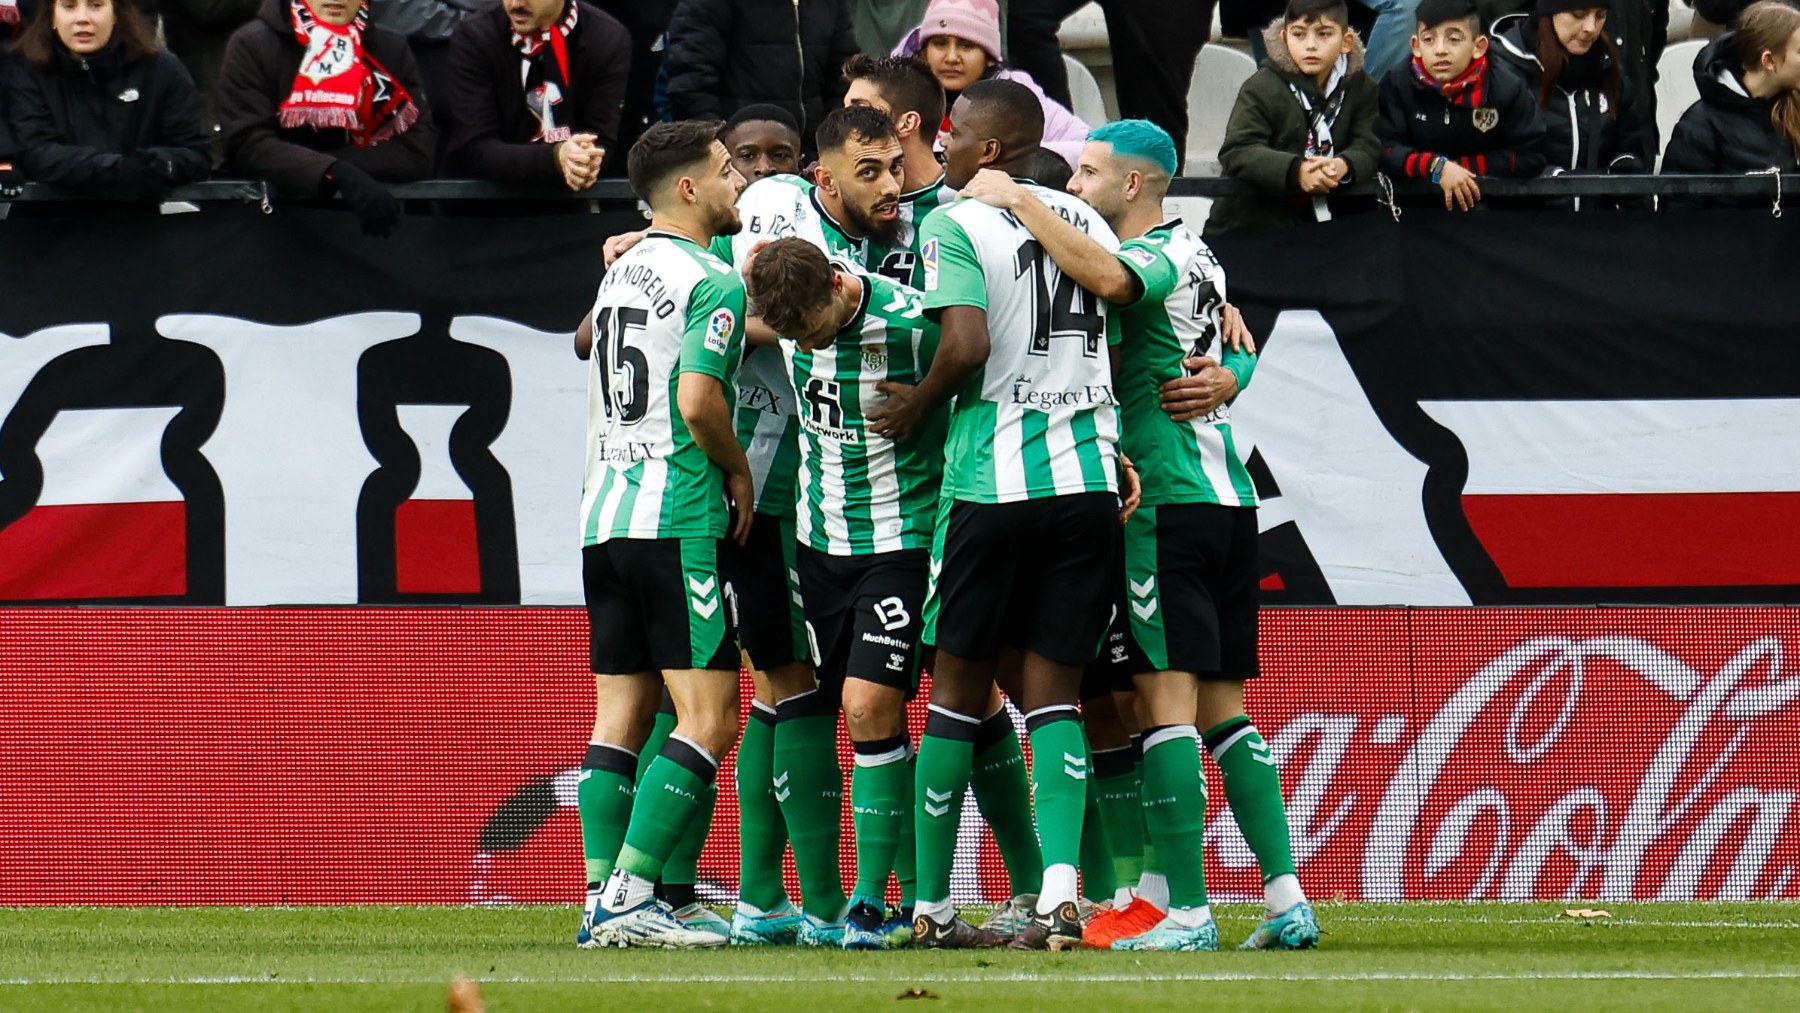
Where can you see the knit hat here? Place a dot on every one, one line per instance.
(975, 20)
(1546, 8)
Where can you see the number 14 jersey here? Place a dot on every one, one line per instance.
(1040, 418)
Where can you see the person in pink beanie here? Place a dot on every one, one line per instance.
(960, 41)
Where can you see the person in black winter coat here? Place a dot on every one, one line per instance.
(536, 89)
(94, 104)
(1748, 116)
(197, 31)
(1450, 115)
(322, 133)
(1592, 121)
(727, 54)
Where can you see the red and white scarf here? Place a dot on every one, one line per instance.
(340, 86)
(544, 89)
(1465, 89)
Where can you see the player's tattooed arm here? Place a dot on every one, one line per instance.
(962, 349)
(701, 400)
(1082, 259)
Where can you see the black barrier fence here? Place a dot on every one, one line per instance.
(612, 191)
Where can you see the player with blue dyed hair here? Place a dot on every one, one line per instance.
(1185, 635)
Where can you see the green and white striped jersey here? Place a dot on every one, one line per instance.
(665, 308)
(775, 207)
(1040, 418)
(1178, 316)
(861, 493)
(901, 262)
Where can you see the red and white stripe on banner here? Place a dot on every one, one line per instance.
(1610, 493)
(342, 755)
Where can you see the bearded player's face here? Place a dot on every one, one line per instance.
(867, 178)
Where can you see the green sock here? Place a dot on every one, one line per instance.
(762, 835)
(809, 785)
(1253, 787)
(946, 755)
(1116, 783)
(1003, 792)
(906, 856)
(670, 796)
(1059, 773)
(683, 867)
(1152, 863)
(879, 794)
(1098, 881)
(1175, 808)
(603, 798)
(659, 734)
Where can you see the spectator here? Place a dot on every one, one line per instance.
(1153, 43)
(1592, 123)
(727, 54)
(1390, 37)
(904, 90)
(95, 104)
(340, 133)
(427, 26)
(1303, 124)
(960, 41)
(763, 140)
(1638, 29)
(1451, 116)
(648, 23)
(197, 31)
(1748, 116)
(536, 88)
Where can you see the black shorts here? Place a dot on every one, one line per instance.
(1034, 575)
(1190, 589)
(865, 614)
(656, 604)
(763, 590)
(1119, 659)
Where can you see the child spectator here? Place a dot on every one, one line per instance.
(1592, 121)
(535, 92)
(339, 134)
(1450, 116)
(1303, 125)
(727, 54)
(94, 103)
(1748, 116)
(960, 41)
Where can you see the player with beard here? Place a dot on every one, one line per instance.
(908, 93)
(666, 480)
(1190, 555)
(1031, 535)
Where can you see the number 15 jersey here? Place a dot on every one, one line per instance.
(1040, 418)
(665, 308)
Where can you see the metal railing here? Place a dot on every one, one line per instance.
(617, 191)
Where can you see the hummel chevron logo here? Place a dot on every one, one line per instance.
(1145, 609)
(1142, 590)
(1259, 751)
(702, 588)
(584, 775)
(1075, 766)
(783, 779)
(781, 794)
(704, 609)
(941, 797)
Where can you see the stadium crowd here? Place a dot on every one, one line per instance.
(129, 98)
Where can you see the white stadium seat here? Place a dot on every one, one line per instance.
(1218, 74)
(1085, 99)
(1675, 89)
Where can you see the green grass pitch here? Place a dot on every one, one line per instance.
(1690, 957)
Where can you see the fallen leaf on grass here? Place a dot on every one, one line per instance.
(1586, 912)
(917, 993)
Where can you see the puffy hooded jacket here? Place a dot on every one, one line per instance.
(727, 54)
(1266, 137)
(1582, 132)
(75, 121)
(1728, 130)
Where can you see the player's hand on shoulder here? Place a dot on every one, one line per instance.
(615, 247)
(994, 188)
(1235, 332)
(897, 418)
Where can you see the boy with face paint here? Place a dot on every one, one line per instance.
(1450, 116)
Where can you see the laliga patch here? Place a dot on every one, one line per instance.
(929, 253)
(1140, 256)
(718, 330)
(1486, 118)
